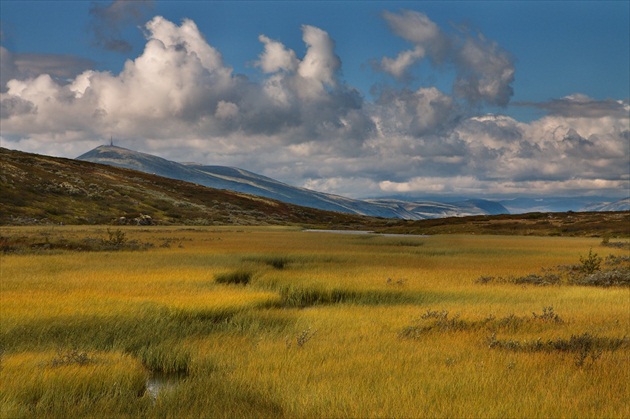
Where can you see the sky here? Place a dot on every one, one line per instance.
(363, 99)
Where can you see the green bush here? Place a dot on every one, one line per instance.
(591, 263)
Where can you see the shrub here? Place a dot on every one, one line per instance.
(616, 272)
(548, 315)
(616, 277)
(301, 339)
(533, 279)
(116, 238)
(584, 346)
(590, 263)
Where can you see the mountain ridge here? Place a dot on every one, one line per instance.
(44, 190)
(241, 180)
(37, 189)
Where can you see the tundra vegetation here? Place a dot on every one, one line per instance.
(276, 322)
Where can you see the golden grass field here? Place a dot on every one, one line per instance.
(326, 325)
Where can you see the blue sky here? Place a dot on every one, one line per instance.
(494, 98)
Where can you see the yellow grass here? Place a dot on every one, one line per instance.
(317, 332)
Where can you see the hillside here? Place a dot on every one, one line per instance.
(239, 180)
(36, 189)
(591, 224)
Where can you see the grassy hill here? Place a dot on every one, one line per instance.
(36, 189)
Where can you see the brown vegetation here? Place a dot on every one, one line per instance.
(41, 190)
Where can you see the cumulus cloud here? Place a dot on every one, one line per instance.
(484, 70)
(179, 87)
(276, 57)
(320, 62)
(416, 113)
(398, 66)
(303, 124)
(415, 27)
(428, 40)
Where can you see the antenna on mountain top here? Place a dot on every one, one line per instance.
(111, 141)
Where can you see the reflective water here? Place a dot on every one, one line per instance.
(160, 383)
(363, 232)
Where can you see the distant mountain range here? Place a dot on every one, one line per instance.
(621, 205)
(561, 204)
(239, 180)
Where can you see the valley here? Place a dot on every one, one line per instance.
(261, 321)
(127, 294)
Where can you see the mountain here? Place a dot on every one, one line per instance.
(239, 180)
(36, 189)
(42, 190)
(553, 204)
(621, 205)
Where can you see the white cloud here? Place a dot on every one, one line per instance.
(276, 57)
(398, 66)
(484, 70)
(413, 26)
(302, 124)
(320, 62)
(417, 113)
(226, 110)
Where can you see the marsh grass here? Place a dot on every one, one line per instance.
(317, 331)
(33, 385)
(438, 321)
(307, 296)
(615, 272)
(73, 356)
(46, 241)
(240, 277)
(276, 262)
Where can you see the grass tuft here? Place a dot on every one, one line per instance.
(240, 277)
(71, 357)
